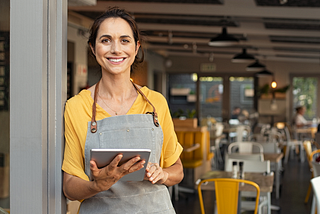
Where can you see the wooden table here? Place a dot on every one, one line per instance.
(275, 158)
(307, 130)
(265, 183)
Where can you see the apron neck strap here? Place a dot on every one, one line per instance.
(154, 113)
(93, 125)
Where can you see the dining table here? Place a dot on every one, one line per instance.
(264, 181)
(275, 158)
(306, 130)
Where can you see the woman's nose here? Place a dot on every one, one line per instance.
(116, 47)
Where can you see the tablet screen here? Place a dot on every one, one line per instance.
(104, 156)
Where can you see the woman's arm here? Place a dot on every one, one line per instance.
(76, 188)
(168, 176)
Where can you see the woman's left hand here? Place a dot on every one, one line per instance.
(155, 174)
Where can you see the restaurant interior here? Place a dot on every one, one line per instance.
(233, 73)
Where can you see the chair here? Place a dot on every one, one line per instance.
(315, 173)
(227, 193)
(317, 139)
(315, 182)
(253, 156)
(253, 166)
(291, 144)
(308, 148)
(244, 147)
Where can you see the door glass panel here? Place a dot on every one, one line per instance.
(241, 96)
(305, 94)
(4, 103)
(211, 92)
(182, 95)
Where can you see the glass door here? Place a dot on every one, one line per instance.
(4, 104)
(211, 97)
(241, 97)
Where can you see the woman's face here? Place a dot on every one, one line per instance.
(302, 111)
(115, 48)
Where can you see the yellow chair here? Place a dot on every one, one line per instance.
(227, 193)
(308, 148)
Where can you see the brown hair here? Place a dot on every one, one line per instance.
(116, 12)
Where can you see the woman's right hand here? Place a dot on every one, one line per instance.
(105, 177)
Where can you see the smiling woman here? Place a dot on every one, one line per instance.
(116, 113)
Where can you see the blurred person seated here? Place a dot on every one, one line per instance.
(298, 120)
(236, 112)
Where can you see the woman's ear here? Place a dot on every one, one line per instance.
(137, 47)
(92, 49)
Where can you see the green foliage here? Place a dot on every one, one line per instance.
(191, 114)
(181, 113)
(178, 113)
(266, 89)
(304, 93)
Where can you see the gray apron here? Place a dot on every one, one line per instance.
(137, 131)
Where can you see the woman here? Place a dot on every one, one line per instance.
(116, 113)
(298, 120)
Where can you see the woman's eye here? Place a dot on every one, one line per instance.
(105, 40)
(125, 41)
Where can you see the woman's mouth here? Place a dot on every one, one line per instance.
(116, 60)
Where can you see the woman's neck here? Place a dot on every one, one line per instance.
(118, 89)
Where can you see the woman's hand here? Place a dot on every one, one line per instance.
(105, 177)
(155, 174)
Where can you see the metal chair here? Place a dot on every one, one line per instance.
(291, 144)
(244, 147)
(315, 172)
(253, 166)
(315, 182)
(308, 148)
(227, 193)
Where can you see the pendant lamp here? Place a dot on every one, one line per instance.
(256, 66)
(264, 73)
(243, 57)
(223, 39)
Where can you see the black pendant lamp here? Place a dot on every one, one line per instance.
(264, 73)
(256, 66)
(223, 39)
(243, 57)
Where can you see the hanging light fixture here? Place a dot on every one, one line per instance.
(243, 57)
(264, 73)
(223, 39)
(256, 66)
(273, 83)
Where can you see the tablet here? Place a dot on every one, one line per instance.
(104, 156)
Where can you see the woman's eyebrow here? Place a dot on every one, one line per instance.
(109, 36)
(125, 36)
(105, 35)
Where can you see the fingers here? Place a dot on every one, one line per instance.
(134, 164)
(154, 172)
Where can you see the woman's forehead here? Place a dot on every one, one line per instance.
(115, 26)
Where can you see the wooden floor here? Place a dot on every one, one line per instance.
(295, 181)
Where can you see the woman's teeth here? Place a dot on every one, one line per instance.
(116, 60)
